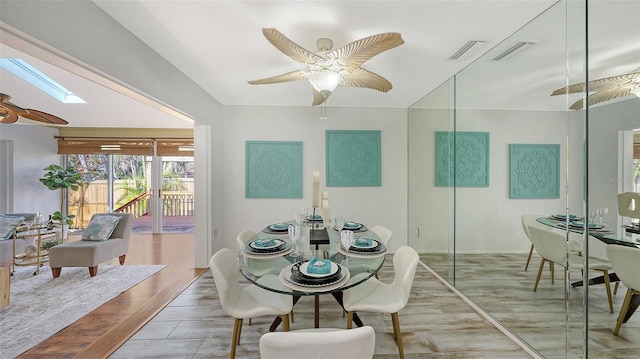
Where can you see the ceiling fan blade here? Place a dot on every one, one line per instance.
(358, 52)
(289, 76)
(7, 116)
(290, 48)
(318, 98)
(603, 84)
(603, 96)
(43, 117)
(575, 88)
(12, 107)
(363, 78)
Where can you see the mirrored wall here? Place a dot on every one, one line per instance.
(492, 145)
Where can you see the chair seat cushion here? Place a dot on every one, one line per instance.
(85, 253)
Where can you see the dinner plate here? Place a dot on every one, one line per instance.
(359, 246)
(289, 280)
(580, 224)
(276, 243)
(351, 225)
(381, 250)
(280, 227)
(304, 270)
(315, 218)
(282, 248)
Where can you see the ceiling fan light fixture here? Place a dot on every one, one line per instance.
(325, 81)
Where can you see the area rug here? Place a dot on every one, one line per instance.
(41, 305)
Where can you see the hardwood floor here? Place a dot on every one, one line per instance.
(102, 331)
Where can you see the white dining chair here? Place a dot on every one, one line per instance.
(322, 343)
(261, 267)
(625, 261)
(246, 302)
(376, 296)
(529, 220)
(383, 233)
(552, 246)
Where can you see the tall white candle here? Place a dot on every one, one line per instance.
(326, 214)
(316, 188)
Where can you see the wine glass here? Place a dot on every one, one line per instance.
(592, 215)
(294, 234)
(603, 213)
(346, 238)
(339, 223)
(300, 217)
(599, 213)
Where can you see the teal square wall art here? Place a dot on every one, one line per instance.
(273, 169)
(353, 158)
(471, 167)
(534, 171)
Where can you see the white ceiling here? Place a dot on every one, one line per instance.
(219, 45)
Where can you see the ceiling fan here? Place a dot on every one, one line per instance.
(328, 69)
(9, 113)
(604, 89)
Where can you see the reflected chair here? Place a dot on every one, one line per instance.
(528, 220)
(356, 343)
(246, 302)
(552, 247)
(624, 261)
(376, 296)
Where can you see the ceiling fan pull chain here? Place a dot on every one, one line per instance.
(323, 111)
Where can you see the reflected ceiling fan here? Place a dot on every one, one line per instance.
(604, 89)
(328, 69)
(9, 113)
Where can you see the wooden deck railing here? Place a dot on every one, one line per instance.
(173, 204)
(137, 206)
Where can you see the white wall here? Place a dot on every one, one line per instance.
(384, 205)
(34, 148)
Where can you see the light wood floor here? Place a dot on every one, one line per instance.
(102, 331)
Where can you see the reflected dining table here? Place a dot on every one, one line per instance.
(256, 262)
(626, 235)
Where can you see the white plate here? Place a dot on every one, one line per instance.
(373, 244)
(303, 269)
(351, 226)
(276, 242)
(279, 227)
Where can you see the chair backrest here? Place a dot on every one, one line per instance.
(383, 233)
(625, 261)
(550, 245)
(529, 220)
(224, 267)
(629, 204)
(243, 237)
(357, 343)
(405, 261)
(123, 228)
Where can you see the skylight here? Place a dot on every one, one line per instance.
(43, 82)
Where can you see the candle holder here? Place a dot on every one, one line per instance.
(317, 236)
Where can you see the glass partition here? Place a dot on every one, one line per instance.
(518, 151)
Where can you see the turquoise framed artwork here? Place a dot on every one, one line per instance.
(273, 169)
(534, 171)
(471, 162)
(353, 158)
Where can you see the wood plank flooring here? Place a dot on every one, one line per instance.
(436, 323)
(102, 331)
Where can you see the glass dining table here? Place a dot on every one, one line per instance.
(295, 275)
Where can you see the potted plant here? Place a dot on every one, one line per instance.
(65, 179)
(64, 220)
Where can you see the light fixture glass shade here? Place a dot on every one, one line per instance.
(325, 82)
